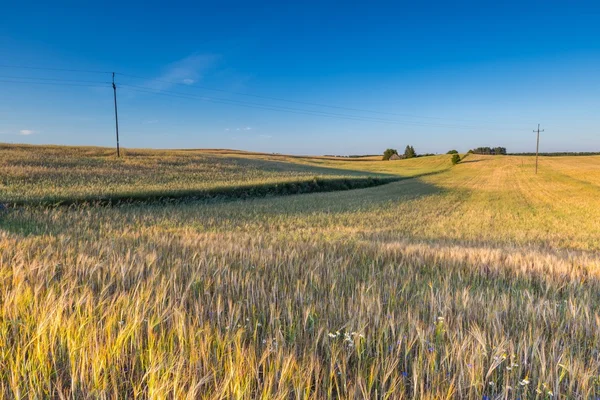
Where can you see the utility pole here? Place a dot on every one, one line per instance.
(537, 149)
(116, 115)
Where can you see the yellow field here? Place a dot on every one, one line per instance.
(57, 174)
(476, 280)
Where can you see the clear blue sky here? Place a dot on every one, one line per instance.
(440, 75)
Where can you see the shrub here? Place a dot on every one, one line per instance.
(388, 153)
(452, 152)
(455, 159)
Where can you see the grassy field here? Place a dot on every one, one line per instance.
(477, 281)
(52, 174)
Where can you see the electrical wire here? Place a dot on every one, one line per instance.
(141, 89)
(52, 79)
(296, 101)
(242, 103)
(54, 69)
(55, 83)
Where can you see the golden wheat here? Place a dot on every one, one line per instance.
(480, 280)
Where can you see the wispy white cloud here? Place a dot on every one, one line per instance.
(187, 71)
(26, 132)
(245, 128)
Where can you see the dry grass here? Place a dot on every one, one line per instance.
(483, 280)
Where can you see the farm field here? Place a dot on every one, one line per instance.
(51, 174)
(476, 281)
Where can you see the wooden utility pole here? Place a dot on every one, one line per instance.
(537, 149)
(116, 115)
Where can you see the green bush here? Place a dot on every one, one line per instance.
(455, 159)
(452, 152)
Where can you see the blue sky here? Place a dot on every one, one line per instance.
(437, 75)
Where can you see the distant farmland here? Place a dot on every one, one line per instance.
(480, 280)
(54, 175)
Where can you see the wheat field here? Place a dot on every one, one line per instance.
(57, 174)
(478, 281)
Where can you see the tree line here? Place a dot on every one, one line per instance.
(489, 150)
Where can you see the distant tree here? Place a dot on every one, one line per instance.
(470, 152)
(388, 153)
(489, 150)
(452, 152)
(409, 152)
(455, 158)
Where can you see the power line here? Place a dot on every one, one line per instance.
(85, 83)
(248, 104)
(217, 101)
(253, 106)
(54, 69)
(292, 101)
(228, 101)
(303, 102)
(51, 79)
(277, 108)
(287, 109)
(270, 107)
(55, 83)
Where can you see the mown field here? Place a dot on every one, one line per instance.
(478, 281)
